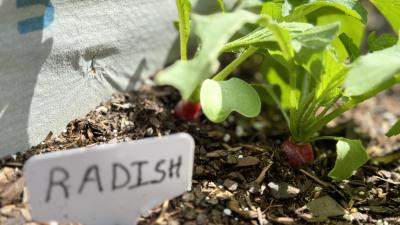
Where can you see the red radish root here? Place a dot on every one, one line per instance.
(187, 110)
(298, 154)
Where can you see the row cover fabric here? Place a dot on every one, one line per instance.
(61, 58)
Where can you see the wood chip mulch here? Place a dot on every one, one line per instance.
(240, 176)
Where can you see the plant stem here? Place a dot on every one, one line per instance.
(324, 138)
(293, 84)
(277, 102)
(293, 125)
(182, 39)
(234, 64)
(328, 107)
(352, 102)
(337, 112)
(183, 49)
(305, 114)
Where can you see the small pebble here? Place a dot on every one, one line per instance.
(230, 184)
(283, 190)
(227, 137)
(239, 131)
(149, 131)
(382, 222)
(228, 212)
(262, 189)
(259, 125)
(188, 197)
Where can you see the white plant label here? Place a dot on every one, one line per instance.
(110, 184)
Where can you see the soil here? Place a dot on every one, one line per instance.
(240, 175)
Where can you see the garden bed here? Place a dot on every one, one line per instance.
(238, 165)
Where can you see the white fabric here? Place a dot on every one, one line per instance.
(61, 58)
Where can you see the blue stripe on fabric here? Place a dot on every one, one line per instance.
(36, 23)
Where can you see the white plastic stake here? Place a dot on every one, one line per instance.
(109, 184)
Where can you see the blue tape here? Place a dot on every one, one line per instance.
(36, 23)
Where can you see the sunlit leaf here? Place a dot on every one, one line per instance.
(351, 155)
(391, 10)
(379, 43)
(331, 79)
(351, 8)
(263, 37)
(220, 98)
(349, 13)
(276, 75)
(303, 35)
(372, 71)
(273, 9)
(318, 37)
(350, 26)
(214, 31)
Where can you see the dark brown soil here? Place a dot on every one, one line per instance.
(238, 165)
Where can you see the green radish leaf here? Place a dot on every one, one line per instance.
(220, 98)
(273, 75)
(318, 37)
(373, 71)
(303, 35)
(351, 8)
(184, 8)
(349, 13)
(352, 50)
(331, 79)
(351, 155)
(263, 37)
(287, 52)
(395, 130)
(214, 31)
(352, 27)
(272, 9)
(379, 43)
(391, 10)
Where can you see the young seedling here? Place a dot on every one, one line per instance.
(321, 87)
(311, 53)
(187, 109)
(188, 75)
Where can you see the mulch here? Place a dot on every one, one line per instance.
(240, 176)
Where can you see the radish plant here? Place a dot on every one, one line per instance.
(313, 67)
